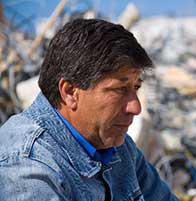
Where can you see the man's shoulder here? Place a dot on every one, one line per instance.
(22, 139)
(21, 130)
(16, 132)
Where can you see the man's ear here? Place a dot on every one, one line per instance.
(69, 93)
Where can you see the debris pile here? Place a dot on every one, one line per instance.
(15, 66)
(170, 94)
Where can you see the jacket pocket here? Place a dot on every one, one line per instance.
(136, 196)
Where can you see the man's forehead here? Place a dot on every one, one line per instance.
(126, 74)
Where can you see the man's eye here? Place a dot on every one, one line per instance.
(137, 87)
(123, 90)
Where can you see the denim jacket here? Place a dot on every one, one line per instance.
(41, 161)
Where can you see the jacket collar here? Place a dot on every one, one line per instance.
(44, 115)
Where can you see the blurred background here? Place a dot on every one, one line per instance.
(166, 129)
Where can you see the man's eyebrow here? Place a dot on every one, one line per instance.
(124, 79)
(140, 80)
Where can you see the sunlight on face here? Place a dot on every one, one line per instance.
(105, 111)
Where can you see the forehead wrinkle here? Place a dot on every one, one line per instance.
(127, 79)
(125, 75)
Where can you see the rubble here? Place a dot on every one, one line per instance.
(171, 90)
(19, 61)
(129, 16)
(169, 40)
(25, 95)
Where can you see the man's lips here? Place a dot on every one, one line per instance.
(123, 125)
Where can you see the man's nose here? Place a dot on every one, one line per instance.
(133, 105)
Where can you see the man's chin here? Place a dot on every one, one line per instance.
(115, 139)
(118, 142)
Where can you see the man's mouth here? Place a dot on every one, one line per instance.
(122, 125)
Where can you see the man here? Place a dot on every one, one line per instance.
(71, 143)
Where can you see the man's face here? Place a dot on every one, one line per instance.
(104, 112)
